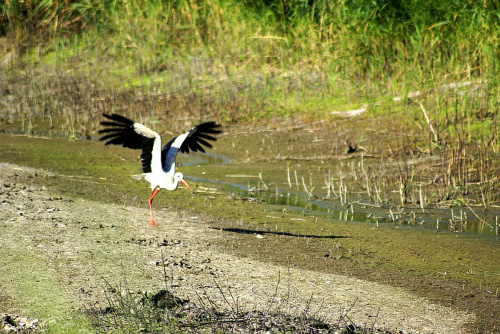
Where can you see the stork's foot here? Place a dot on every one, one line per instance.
(152, 222)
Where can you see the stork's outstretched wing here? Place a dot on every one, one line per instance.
(194, 140)
(127, 133)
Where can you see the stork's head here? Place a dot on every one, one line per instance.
(178, 177)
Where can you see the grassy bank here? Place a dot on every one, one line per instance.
(428, 71)
(85, 169)
(246, 60)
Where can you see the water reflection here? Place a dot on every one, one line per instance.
(456, 220)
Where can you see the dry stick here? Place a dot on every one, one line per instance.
(345, 193)
(328, 186)
(263, 183)
(362, 164)
(332, 184)
(305, 311)
(340, 195)
(275, 295)
(496, 225)
(288, 175)
(304, 185)
(341, 187)
(421, 199)
(223, 294)
(377, 192)
(366, 178)
(428, 122)
(475, 214)
(288, 283)
(368, 186)
(235, 300)
(345, 316)
(203, 305)
(367, 204)
(401, 192)
(482, 197)
(165, 271)
(309, 192)
(354, 169)
(374, 320)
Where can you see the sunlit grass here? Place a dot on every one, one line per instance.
(252, 62)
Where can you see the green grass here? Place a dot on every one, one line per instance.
(375, 46)
(38, 293)
(254, 62)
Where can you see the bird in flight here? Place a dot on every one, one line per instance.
(158, 164)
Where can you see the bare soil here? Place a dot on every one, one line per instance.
(83, 247)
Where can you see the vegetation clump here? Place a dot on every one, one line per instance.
(140, 312)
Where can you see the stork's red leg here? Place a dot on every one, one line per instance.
(153, 193)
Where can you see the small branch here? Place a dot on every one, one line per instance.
(481, 220)
(428, 122)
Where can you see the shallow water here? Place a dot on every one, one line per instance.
(357, 207)
(455, 220)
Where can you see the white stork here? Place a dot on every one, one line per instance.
(158, 165)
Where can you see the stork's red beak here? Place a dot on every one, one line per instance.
(185, 184)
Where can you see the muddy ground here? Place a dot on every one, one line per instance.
(60, 255)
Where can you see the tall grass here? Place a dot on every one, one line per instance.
(245, 60)
(240, 61)
(269, 49)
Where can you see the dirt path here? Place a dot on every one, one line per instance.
(57, 252)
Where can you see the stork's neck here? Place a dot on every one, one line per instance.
(162, 180)
(171, 182)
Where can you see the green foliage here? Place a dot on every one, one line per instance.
(368, 37)
(254, 59)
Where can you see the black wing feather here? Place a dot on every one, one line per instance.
(204, 143)
(194, 141)
(121, 131)
(146, 157)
